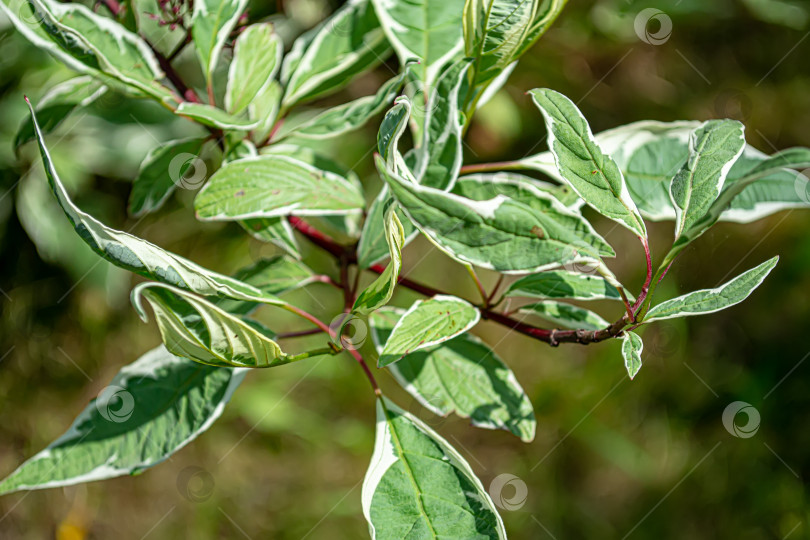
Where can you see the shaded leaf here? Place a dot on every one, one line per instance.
(275, 230)
(59, 103)
(563, 284)
(275, 275)
(214, 117)
(565, 315)
(379, 292)
(163, 169)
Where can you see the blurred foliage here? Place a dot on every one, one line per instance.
(612, 459)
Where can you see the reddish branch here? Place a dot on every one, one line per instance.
(552, 337)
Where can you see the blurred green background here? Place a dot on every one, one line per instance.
(612, 458)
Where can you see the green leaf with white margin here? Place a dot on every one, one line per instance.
(482, 187)
(591, 173)
(461, 376)
(711, 300)
(499, 233)
(349, 116)
(150, 410)
(103, 46)
(771, 169)
(264, 110)
(172, 164)
(649, 153)
(428, 323)
(211, 24)
(275, 185)
(58, 103)
(214, 117)
(425, 30)
(631, 351)
(439, 157)
(713, 149)
(418, 486)
(563, 284)
(256, 59)
(498, 32)
(276, 231)
(326, 58)
(275, 275)
(142, 257)
(194, 328)
(379, 292)
(565, 315)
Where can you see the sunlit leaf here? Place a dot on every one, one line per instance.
(211, 23)
(713, 149)
(275, 185)
(150, 410)
(711, 300)
(195, 328)
(425, 30)
(349, 116)
(427, 323)
(142, 257)
(418, 486)
(631, 351)
(462, 376)
(591, 173)
(326, 58)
